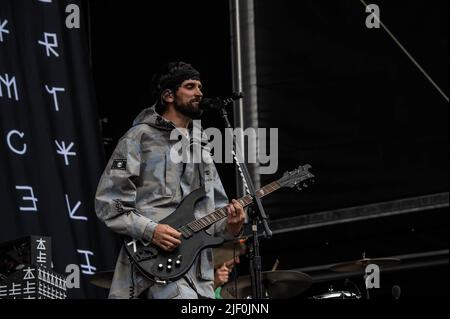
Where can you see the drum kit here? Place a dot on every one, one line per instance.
(277, 284)
(353, 267)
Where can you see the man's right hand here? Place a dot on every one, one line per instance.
(166, 237)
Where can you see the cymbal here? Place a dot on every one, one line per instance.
(360, 265)
(281, 284)
(102, 279)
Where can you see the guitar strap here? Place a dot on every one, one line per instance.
(201, 173)
(191, 178)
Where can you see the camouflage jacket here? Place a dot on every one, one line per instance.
(141, 186)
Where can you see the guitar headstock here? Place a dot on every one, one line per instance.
(300, 178)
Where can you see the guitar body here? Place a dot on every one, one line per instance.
(153, 262)
(163, 267)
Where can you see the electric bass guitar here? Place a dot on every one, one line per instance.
(161, 266)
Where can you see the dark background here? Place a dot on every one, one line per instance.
(129, 43)
(350, 101)
(345, 98)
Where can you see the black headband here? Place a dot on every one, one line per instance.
(178, 78)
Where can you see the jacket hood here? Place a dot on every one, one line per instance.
(150, 117)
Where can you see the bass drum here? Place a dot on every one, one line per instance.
(337, 295)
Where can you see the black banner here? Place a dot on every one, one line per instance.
(50, 150)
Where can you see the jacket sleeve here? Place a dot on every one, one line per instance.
(115, 200)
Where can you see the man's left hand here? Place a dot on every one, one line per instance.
(235, 218)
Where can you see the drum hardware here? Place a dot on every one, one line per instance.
(276, 285)
(337, 294)
(356, 266)
(361, 264)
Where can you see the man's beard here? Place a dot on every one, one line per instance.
(189, 110)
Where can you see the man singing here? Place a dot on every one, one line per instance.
(142, 185)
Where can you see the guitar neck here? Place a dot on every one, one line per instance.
(221, 213)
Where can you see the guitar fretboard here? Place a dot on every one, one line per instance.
(208, 220)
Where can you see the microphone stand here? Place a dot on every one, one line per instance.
(255, 211)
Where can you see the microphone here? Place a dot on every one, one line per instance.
(396, 291)
(219, 103)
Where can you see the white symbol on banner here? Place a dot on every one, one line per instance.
(41, 243)
(50, 45)
(3, 29)
(8, 83)
(62, 284)
(3, 291)
(53, 91)
(12, 148)
(73, 210)
(87, 268)
(62, 150)
(29, 198)
(16, 289)
(28, 273)
(30, 288)
(41, 258)
(42, 290)
(133, 242)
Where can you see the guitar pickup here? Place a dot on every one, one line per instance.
(146, 253)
